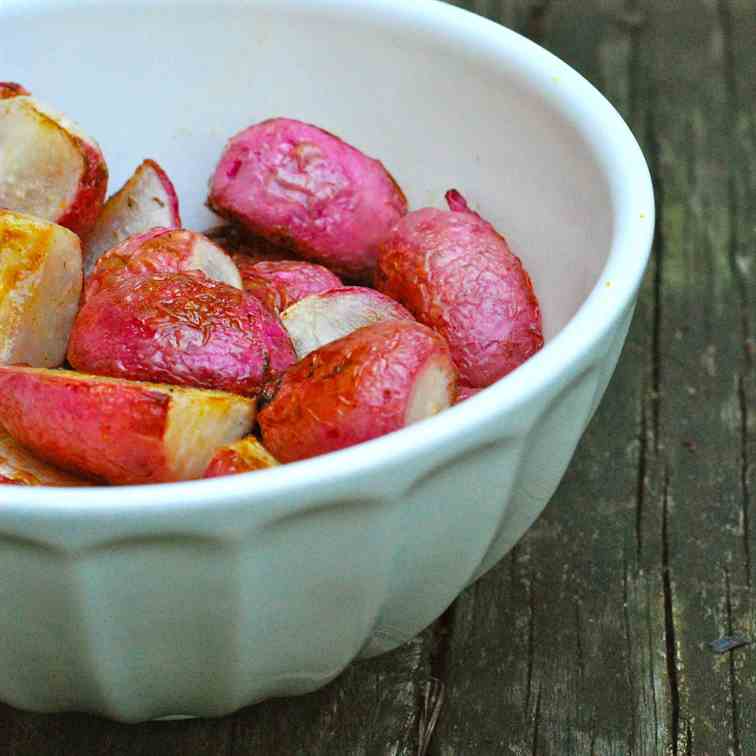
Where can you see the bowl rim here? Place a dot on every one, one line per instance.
(618, 156)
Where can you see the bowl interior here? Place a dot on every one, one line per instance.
(173, 81)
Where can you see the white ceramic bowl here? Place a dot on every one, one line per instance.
(203, 597)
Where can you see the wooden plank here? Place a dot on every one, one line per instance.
(591, 637)
(706, 535)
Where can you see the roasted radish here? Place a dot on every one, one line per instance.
(147, 200)
(40, 284)
(162, 250)
(180, 328)
(306, 189)
(119, 431)
(376, 380)
(19, 467)
(48, 167)
(278, 284)
(456, 274)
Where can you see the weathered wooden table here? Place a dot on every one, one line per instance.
(591, 637)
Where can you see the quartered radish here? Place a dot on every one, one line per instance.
(117, 431)
(48, 167)
(147, 200)
(40, 284)
(376, 380)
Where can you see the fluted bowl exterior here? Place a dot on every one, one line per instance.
(200, 598)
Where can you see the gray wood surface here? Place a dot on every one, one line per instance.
(591, 637)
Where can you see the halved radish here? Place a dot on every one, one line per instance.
(119, 431)
(278, 284)
(243, 456)
(19, 467)
(10, 89)
(40, 284)
(376, 380)
(182, 329)
(321, 318)
(147, 200)
(48, 167)
(162, 250)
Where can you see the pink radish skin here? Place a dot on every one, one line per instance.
(48, 167)
(147, 200)
(182, 329)
(322, 318)
(278, 284)
(120, 432)
(456, 274)
(376, 380)
(162, 250)
(306, 189)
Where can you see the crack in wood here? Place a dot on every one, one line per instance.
(669, 622)
(439, 654)
(537, 722)
(629, 644)
(745, 488)
(531, 646)
(653, 157)
(513, 560)
(633, 18)
(689, 748)
(734, 706)
(439, 659)
(640, 490)
(579, 642)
